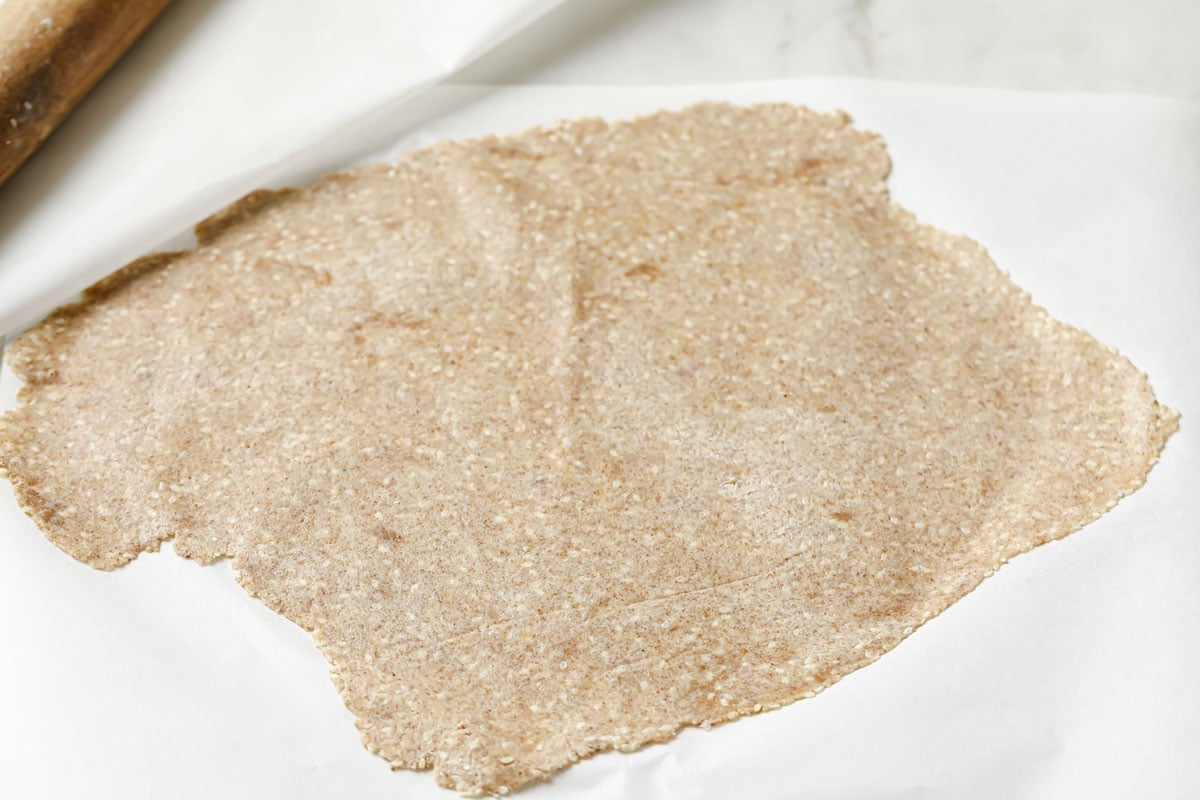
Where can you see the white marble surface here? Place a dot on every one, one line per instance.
(1126, 46)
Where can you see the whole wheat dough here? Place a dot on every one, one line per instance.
(558, 442)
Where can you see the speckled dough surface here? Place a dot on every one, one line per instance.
(561, 441)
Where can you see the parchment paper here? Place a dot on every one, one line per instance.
(217, 98)
(1071, 673)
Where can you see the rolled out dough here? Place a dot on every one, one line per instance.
(560, 441)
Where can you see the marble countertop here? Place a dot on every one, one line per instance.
(1142, 47)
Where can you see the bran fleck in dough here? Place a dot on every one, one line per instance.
(560, 441)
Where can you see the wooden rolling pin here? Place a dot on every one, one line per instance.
(51, 53)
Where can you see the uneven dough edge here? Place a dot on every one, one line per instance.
(1161, 426)
(33, 356)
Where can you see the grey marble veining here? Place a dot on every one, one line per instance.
(1143, 47)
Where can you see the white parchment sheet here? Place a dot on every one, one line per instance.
(1071, 673)
(216, 98)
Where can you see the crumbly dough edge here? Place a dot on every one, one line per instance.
(32, 356)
